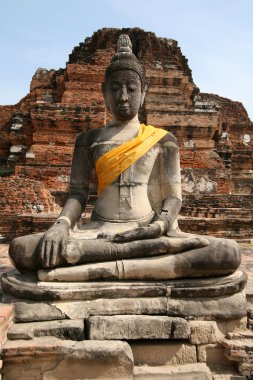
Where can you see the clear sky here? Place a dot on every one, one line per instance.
(215, 35)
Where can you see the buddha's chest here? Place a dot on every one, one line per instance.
(138, 172)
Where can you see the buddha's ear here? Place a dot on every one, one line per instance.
(143, 94)
(104, 92)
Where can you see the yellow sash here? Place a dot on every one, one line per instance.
(117, 160)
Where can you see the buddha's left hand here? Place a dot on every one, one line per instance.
(158, 228)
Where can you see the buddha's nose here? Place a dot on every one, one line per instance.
(124, 94)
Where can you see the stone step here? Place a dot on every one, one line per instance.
(196, 371)
(63, 329)
(132, 327)
(52, 358)
(214, 212)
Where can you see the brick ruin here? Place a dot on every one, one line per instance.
(38, 133)
(21, 199)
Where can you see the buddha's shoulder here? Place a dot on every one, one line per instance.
(169, 140)
(86, 139)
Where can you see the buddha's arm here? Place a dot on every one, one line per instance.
(55, 239)
(170, 181)
(79, 186)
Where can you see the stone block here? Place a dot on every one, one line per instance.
(137, 327)
(50, 358)
(212, 354)
(225, 307)
(63, 329)
(197, 371)
(103, 306)
(180, 329)
(26, 311)
(204, 332)
(226, 326)
(159, 353)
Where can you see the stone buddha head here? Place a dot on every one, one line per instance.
(124, 85)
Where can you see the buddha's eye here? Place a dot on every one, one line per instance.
(114, 87)
(132, 88)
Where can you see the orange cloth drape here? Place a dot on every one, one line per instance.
(117, 160)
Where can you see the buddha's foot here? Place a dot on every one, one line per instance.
(88, 272)
(160, 267)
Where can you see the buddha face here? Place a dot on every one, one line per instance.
(123, 94)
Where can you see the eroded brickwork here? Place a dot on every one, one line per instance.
(21, 196)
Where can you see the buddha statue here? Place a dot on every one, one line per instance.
(133, 232)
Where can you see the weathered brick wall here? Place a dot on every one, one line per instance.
(238, 228)
(206, 181)
(200, 158)
(5, 116)
(232, 114)
(227, 215)
(219, 201)
(54, 178)
(22, 195)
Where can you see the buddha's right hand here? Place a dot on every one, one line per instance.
(54, 243)
(152, 231)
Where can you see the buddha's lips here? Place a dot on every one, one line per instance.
(123, 107)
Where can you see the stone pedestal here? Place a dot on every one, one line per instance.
(121, 329)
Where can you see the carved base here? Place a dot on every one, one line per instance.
(141, 329)
(209, 298)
